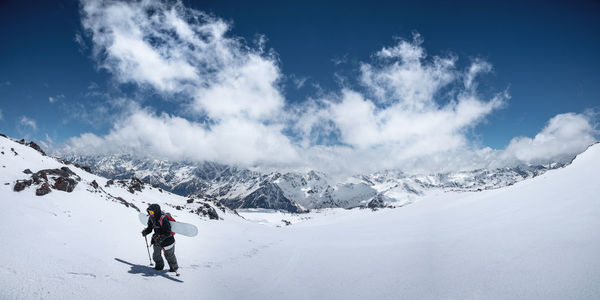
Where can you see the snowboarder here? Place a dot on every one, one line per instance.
(162, 239)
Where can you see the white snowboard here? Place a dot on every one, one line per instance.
(177, 227)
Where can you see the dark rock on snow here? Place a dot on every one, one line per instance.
(64, 184)
(207, 210)
(21, 185)
(377, 202)
(43, 190)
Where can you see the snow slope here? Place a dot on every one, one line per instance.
(538, 238)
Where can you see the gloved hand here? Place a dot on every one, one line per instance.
(157, 239)
(145, 232)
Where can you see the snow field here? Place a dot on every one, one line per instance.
(537, 239)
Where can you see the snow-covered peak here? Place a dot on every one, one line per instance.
(300, 191)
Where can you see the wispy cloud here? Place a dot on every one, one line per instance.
(236, 112)
(53, 99)
(0, 114)
(93, 86)
(298, 81)
(80, 41)
(5, 83)
(340, 60)
(26, 122)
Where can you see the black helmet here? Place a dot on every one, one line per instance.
(153, 210)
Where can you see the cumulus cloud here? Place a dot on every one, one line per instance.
(411, 111)
(398, 120)
(232, 141)
(563, 136)
(404, 78)
(174, 49)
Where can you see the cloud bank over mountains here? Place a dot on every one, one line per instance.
(411, 111)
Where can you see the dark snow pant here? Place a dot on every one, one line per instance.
(169, 255)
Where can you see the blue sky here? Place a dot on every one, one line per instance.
(315, 66)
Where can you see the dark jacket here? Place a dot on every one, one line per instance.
(162, 230)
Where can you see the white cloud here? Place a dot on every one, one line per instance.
(53, 99)
(235, 112)
(180, 51)
(405, 78)
(234, 141)
(80, 41)
(93, 86)
(174, 49)
(399, 121)
(26, 122)
(298, 81)
(564, 135)
(477, 67)
(5, 83)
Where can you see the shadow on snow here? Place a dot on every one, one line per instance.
(146, 271)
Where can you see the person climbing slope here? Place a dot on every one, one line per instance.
(162, 239)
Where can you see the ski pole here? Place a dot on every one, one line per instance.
(148, 248)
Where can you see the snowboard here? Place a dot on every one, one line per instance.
(177, 227)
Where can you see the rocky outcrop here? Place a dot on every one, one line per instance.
(132, 185)
(62, 179)
(43, 190)
(33, 145)
(64, 184)
(124, 202)
(21, 185)
(377, 202)
(208, 211)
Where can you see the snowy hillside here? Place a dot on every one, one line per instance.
(538, 238)
(297, 191)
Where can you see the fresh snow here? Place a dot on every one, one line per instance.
(538, 238)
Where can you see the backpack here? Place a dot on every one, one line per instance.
(168, 216)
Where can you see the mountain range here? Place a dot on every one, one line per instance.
(296, 192)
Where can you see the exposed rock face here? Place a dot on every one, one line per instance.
(377, 202)
(64, 180)
(43, 190)
(64, 184)
(135, 185)
(32, 145)
(21, 185)
(207, 210)
(131, 185)
(269, 195)
(124, 202)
